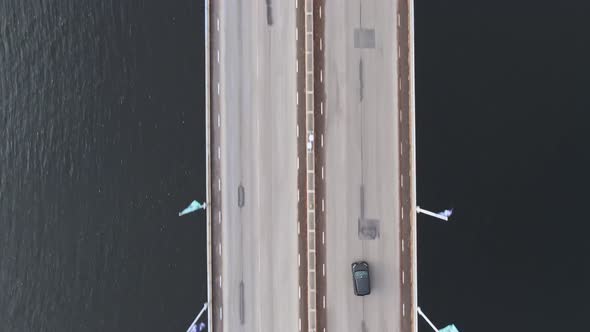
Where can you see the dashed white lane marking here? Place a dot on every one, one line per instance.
(219, 154)
(402, 211)
(322, 205)
(219, 184)
(297, 130)
(403, 277)
(217, 88)
(297, 163)
(219, 281)
(298, 227)
(321, 75)
(218, 120)
(217, 24)
(217, 56)
(298, 193)
(321, 44)
(323, 269)
(403, 309)
(297, 98)
(220, 249)
(402, 245)
(401, 148)
(300, 292)
(324, 300)
(296, 34)
(322, 139)
(320, 12)
(220, 313)
(296, 3)
(402, 180)
(322, 172)
(296, 66)
(323, 238)
(219, 217)
(322, 107)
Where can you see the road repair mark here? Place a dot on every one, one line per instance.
(242, 302)
(241, 196)
(269, 19)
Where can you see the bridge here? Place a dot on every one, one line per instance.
(310, 164)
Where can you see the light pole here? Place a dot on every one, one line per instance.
(427, 320)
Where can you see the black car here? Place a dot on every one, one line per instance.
(360, 278)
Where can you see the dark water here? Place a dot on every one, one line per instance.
(101, 144)
(503, 137)
(102, 140)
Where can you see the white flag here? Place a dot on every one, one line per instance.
(446, 213)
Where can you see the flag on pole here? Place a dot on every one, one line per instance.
(446, 213)
(194, 327)
(450, 328)
(197, 327)
(194, 206)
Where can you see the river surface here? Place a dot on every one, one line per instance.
(503, 118)
(101, 145)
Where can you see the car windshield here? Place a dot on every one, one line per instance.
(361, 274)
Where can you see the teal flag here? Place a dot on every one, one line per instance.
(450, 328)
(192, 208)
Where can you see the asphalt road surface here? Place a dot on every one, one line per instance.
(362, 163)
(258, 151)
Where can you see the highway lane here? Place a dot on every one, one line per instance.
(258, 151)
(361, 151)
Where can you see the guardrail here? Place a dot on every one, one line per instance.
(208, 161)
(310, 182)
